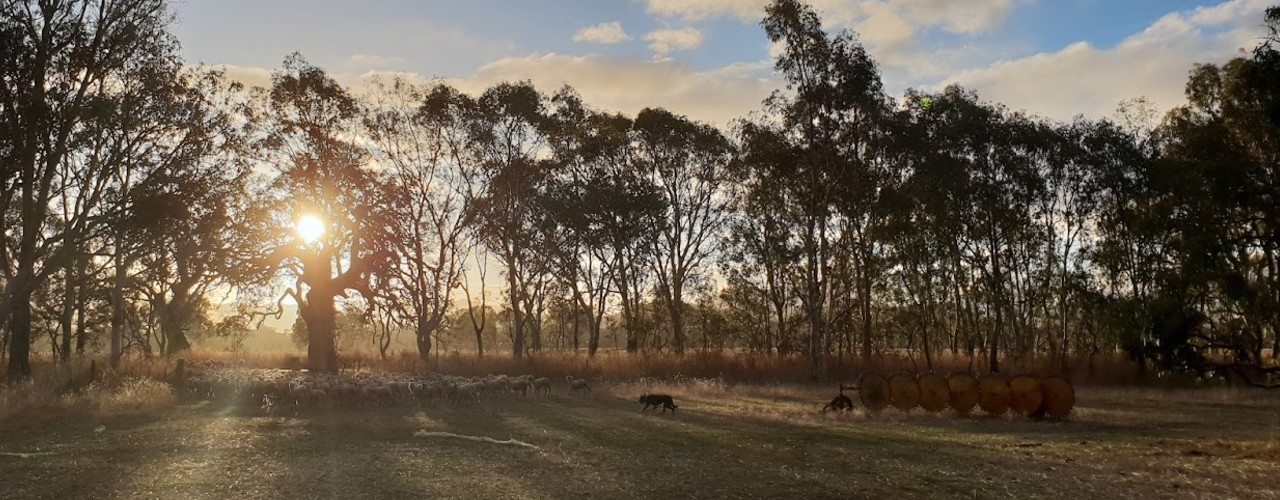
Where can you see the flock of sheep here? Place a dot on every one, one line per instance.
(276, 387)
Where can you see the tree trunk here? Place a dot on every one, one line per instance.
(320, 317)
(117, 308)
(993, 350)
(426, 327)
(628, 314)
(577, 314)
(814, 306)
(173, 323)
(865, 297)
(82, 303)
(423, 336)
(19, 332)
(677, 317)
(517, 319)
(68, 310)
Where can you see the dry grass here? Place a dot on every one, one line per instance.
(737, 366)
(85, 390)
(33, 404)
(727, 440)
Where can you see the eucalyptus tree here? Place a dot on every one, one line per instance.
(829, 112)
(760, 251)
(591, 150)
(1218, 158)
(687, 163)
(990, 155)
(326, 221)
(421, 134)
(508, 133)
(185, 216)
(72, 71)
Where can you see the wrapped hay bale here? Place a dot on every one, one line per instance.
(904, 392)
(963, 390)
(993, 395)
(934, 394)
(1024, 395)
(1058, 397)
(873, 391)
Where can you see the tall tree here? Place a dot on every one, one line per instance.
(593, 158)
(184, 217)
(62, 63)
(508, 134)
(421, 133)
(327, 218)
(834, 96)
(687, 162)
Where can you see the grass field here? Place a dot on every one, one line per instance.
(744, 441)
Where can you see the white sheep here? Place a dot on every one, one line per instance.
(521, 385)
(542, 385)
(578, 385)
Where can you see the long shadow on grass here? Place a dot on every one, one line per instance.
(743, 454)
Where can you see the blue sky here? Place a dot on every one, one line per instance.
(710, 59)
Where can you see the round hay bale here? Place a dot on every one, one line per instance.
(934, 394)
(993, 395)
(963, 389)
(904, 391)
(1058, 397)
(1025, 395)
(873, 391)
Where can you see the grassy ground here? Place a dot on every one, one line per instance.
(724, 442)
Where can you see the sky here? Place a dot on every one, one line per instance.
(710, 60)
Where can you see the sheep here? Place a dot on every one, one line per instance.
(542, 385)
(521, 385)
(318, 397)
(299, 392)
(470, 390)
(578, 385)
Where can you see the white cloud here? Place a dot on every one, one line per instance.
(373, 61)
(663, 42)
(628, 86)
(957, 16)
(248, 75)
(746, 10)
(890, 29)
(603, 33)
(884, 28)
(1083, 79)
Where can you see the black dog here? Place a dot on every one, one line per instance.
(840, 402)
(656, 400)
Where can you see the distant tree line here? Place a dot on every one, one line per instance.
(837, 222)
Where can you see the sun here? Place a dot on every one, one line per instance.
(310, 228)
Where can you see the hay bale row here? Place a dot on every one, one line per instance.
(994, 394)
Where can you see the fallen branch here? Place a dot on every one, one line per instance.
(24, 455)
(479, 439)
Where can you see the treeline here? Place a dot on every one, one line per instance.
(836, 222)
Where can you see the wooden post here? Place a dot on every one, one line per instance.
(93, 370)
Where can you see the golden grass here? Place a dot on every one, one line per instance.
(738, 366)
(33, 404)
(728, 439)
(88, 389)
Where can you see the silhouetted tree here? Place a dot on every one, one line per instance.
(311, 125)
(422, 135)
